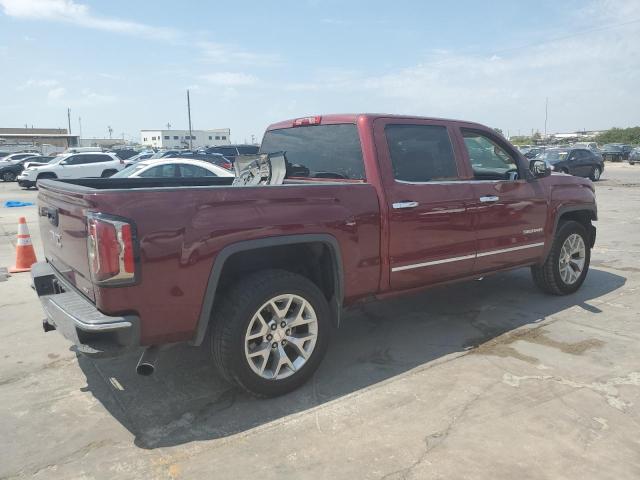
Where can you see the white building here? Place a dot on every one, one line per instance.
(180, 138)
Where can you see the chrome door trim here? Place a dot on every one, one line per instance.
(466, 257)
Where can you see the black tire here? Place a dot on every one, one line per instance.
(547, 275)
(565, 170)
(595, 174)
(8, 177)
(231, 317)
(108, 173)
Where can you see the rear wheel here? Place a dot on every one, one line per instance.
(595, 174)
(567, 265)
(8, 177)
(270, 332)
(565, 170)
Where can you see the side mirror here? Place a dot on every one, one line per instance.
(63, 162)
(539, 168)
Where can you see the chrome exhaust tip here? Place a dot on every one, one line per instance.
(147, 363)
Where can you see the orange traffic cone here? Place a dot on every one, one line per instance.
(25, 254)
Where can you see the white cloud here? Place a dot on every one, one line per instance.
(224, 53)
(229, 79)
(48, 82)
(56, 93)
(590, 76)
(79, 14)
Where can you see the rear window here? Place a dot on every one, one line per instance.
(319, 151)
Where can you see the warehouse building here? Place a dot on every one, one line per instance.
(180, 138)
(36, 138)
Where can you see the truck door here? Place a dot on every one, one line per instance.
(509, 211)
(430, 230)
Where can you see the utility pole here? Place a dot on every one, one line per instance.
(110, 131)
(189, 114)
(168, 126)
(69, 120)
(253, 139)
(80, 126)
(546, 113)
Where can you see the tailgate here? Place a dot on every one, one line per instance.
(63, 229)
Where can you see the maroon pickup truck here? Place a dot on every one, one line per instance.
(372, 206)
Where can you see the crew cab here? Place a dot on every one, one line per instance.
(72, 165)
(372, 206)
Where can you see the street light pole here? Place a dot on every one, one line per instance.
(546, 114)
(189, 114)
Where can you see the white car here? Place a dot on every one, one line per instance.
(18, 156)
(173, 168)
(72, 165)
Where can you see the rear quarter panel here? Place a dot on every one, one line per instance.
(181, 231)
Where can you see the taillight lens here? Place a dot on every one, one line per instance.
(111, 248)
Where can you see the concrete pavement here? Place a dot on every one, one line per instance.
(489, 379)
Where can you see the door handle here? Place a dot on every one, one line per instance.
(489, 199)
(405, 204)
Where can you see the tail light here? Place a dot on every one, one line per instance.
(111, 246)
(304, 121)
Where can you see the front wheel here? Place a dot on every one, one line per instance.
(567, 265)
(595, 174)
(270, 332)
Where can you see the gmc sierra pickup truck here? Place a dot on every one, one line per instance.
(372, 206)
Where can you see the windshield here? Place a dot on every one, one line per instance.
(128, 171)
(553, 156)
(320, 151)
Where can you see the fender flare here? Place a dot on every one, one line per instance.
(335, 303)
(560, 211)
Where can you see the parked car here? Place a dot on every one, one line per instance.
(214, 158)
(382, 205)
(232, 151)
(613, 152)
(19, 156)
(124, 153)
(9, 171)
(574, 161)
(166, 153)
(593, 146)
(72, 165)
(172, 168)
(38, 161)
(138, 158)
(533, 152)
(634, 156)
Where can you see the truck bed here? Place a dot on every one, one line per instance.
(183, 225)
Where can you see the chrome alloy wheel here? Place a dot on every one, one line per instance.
(572, 258)
(281, 337)
(596, 173)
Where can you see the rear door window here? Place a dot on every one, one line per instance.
(318, 151)
(421, 153)
(161, 171)
(190, 171)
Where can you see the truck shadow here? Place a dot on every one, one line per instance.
(186, 400)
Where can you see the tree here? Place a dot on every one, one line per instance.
(498, 130)
(629, 135)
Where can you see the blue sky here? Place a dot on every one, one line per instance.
(127, 64)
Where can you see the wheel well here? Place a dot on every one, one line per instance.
(581, 216)
(313, 260)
